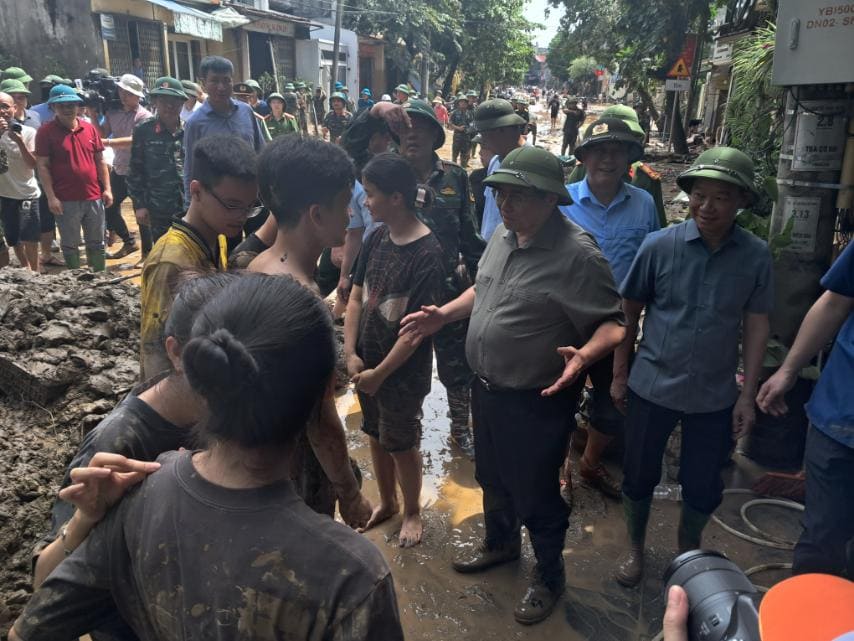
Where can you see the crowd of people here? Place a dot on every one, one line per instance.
(249, 225)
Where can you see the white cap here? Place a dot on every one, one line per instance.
(385, 98)
(132, 84)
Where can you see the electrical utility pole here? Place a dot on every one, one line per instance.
(336, 45)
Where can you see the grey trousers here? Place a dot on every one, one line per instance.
(88, 214)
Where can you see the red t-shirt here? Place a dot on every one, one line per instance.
(72, 159)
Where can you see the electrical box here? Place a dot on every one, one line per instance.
(815, 42)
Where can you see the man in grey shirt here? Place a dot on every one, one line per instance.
(544, 307)
(700, 282)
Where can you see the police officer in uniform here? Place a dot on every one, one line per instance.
(452, 220)
(640, 174)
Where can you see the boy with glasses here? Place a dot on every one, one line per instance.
(222, 194)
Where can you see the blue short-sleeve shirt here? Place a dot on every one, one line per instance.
(360, 215)
(619, 227)
(695, 301)
(831, 408)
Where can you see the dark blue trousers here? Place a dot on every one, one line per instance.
(827, 542)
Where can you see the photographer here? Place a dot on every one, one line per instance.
(116, 131)
(19, 190)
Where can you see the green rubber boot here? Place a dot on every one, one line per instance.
(72, 259)
(97, 260)
(630, 568)
(691, 524)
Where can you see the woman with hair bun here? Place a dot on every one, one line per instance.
(217, 544)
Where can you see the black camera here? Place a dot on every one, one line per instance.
(724, 604)
(17, 127)
(101, 91)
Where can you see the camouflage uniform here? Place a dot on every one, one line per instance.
(451, 219)
(156, 178)
(461, 146)
(287, 125)
(640, 175)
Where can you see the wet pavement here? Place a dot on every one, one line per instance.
(437, 603)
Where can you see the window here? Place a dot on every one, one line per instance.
(184, 59)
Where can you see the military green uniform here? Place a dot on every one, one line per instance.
(452, 221)
(640, 175)
(287, 125)
(156, 178)
(461, 146)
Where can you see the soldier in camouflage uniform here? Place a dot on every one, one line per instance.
(460, 123)
(156, 177)
(280, 122)
(640, 174)
(451, 219)
(291, 99)
(520, 106)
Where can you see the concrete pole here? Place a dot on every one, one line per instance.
(336, 46)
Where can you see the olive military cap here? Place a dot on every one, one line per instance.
(721, 163)
(496, 113)
(534, 168)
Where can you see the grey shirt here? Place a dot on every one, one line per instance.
(183, 559)
(530, 300)
(122, 124)
(695, 301)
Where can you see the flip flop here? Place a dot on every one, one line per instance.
(52, 260)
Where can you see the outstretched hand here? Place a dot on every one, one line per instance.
(575, 363)
(96, 488)
(423, 323)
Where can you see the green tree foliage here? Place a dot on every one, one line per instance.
(754, 110)
(486, 41)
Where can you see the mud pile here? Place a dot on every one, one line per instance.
(68, 351)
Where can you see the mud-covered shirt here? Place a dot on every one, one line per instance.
(156, 178)
(397, 280)
(132, 429)
(182, 558)
(451, 219)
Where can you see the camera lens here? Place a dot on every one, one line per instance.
(714, 585)
(16, 126)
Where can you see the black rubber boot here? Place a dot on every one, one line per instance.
(691, 525)
(630, 568)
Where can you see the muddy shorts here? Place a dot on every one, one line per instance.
(393, 418)
(20, 220)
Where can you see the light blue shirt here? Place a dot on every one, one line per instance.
(619, 228)
(206, 122)
(44, 111)
(360, 215)
(491, 215)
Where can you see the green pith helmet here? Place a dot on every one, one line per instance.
(275, 96)
(420, 109)
(190, 88)
(531, 167)
(299, 85)
(496, 113)
(610, 130)
(16, 73)
(340, 96)
(460, 97)
(242, 89)
(628, 116)
(402, 89)
(471, 94)
(51, 79)
(254, 84)
(290, 87)
(721, 163)
(169, 87)
(12, 85)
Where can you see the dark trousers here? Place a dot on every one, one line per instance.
(520, 441)
(706, 446)
(827, 542)
(113, 213)
(569, 138)
(47, 223)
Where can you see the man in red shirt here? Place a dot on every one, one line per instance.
(75, 178)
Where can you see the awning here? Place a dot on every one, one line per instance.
(192, 22)
(229, 18)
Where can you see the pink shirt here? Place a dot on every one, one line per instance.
(441, 113)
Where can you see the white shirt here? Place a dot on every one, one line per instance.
(186, 113)
(20, 181)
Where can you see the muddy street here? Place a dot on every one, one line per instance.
(77, 337)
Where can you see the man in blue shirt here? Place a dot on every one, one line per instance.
(827, 542)
(619, 217)
(500, 128)
(220, 114)
(703, 283)
(43, 110)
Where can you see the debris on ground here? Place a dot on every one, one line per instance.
(69, 346)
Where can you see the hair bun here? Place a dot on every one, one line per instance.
(219, 366)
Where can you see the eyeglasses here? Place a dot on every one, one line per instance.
(516, 198)
(249, 212)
